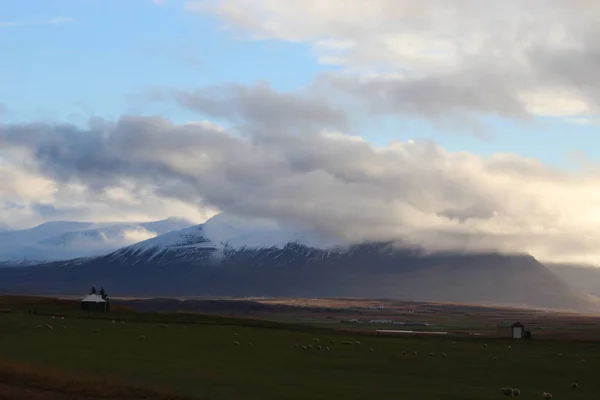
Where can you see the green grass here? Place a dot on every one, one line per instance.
(202, 360)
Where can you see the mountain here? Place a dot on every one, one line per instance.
(187, 263)
(583, 278)
(65, 240)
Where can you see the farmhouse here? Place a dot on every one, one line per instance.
(93, 302)
(511, 329)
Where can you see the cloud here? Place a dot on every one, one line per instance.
(464, 57)
(27, 22)
(321, 178)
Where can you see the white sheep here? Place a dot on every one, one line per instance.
(327, 349)
(485, 345)
(309, 346)
(236, 343)
(431, 354)
(507, 391)
(53, 317)
(316, 340)
(357, 342)
(163, 325)
(346, 342)
(583, 360)
(185, 327)
(250, 344)
(235, 334)
(319, 348)
(304, 348)
(62, 317)
(415, 353)
(510, 347)
(574, 385)
(38, 326)
(403, 353)
(113, 321)
(49, 327)
(561, 355)
(63, 327)
(443, 354)
(546, 396)
(141, 337)
(516, 392)
(371, 350)
(296, 345)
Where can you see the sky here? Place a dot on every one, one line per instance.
(445, 123)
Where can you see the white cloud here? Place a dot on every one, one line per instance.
(323, 179)
(538, 55)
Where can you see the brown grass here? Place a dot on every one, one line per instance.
(32, 382)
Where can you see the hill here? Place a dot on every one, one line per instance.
(191, 265)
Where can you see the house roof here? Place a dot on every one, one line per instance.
(93, 298)
(510, 323)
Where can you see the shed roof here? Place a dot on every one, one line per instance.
(93, 298)
(510, 323)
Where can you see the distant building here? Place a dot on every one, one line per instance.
(511, 329)
(93, 302)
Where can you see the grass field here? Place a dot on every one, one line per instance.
(201, 360)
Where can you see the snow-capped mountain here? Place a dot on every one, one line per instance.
(65, 240)
(222, 233)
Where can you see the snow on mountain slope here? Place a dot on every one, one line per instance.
(66, 240)
(218, 234)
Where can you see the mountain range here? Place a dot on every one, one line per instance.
(229, 256)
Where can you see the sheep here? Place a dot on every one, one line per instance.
(63, 327)
(574, 385)
(49, 327)
(327, 349)
(443, 354)
(453, 342)
(485, 345)
(96, 330)
(316, 340)
(141, 337)
(357, 342)
(185, 327)
(235, 334)
(38, 326)
(296, 345)
(331, 342)
(346, 342)
(309, 346)
(403, 353)
(561, 355)
(122, 322)
(371, 350)
(113, 321)
(415, 353)
(163, 326)
(546, 396)
(304, 348)
(431, 354)
(494, 359)
(62, 317)
(236, 343)
(516, 392)
(53, 317)
(319, 348)
(250, 344)
(510, 347)
(583, 360)
(507, 391)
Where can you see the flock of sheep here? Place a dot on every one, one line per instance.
(507, 391)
